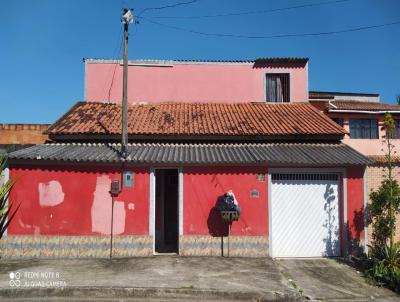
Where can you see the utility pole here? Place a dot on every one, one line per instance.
(127, 18)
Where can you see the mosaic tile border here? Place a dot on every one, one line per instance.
(74, 246)
(240, 246)
(18, 247)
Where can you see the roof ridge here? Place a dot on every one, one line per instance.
(364, 102)
(353, 105)
(197, 103)
(259, 59)
(218, 144)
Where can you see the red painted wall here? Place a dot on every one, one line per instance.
(69, 201)
(203, 186)
(355, 203)
(60, 201)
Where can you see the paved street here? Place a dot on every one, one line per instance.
(168, 278)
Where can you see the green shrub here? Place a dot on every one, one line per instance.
(385, 266)
(381, 212)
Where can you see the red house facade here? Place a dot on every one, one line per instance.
(301, 191)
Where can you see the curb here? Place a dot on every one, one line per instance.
(128, 292)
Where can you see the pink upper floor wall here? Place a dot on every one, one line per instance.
(367, 146)
(189, 82)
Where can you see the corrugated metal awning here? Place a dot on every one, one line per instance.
(273, 154)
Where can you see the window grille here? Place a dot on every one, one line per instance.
(304, 176)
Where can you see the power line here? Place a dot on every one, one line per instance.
(253, 12)
(166, 6)
(116, 65)
(118, 46)
(271, 36)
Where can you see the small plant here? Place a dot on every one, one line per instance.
(385, 266)
(5, 204)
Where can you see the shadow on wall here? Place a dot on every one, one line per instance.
(354, 245)
(332, 243)
(216, 226)
(353, 232)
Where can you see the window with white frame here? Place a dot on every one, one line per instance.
(277, 86)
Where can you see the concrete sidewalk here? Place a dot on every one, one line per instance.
(331, 280)
(212, 278)
(186, 278)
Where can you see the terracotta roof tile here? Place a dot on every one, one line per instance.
(382, 159)
(356, 105)
(199, 119)
(333, 94)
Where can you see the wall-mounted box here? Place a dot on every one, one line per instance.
(254, 193)
(260, 177)
(115, 189)
(128, 179)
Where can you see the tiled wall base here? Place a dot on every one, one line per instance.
(126, 246)
(74, 246)
(240, 246)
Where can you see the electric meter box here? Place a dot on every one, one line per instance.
(127, 179)
(115, 187)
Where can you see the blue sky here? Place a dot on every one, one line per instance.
(42, 43)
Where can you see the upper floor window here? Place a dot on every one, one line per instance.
(277, 87)
(396, 130)
(364, 128)
(338, 121)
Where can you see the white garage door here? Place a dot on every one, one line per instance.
(304, 215)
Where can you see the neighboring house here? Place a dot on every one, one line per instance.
(361, 115)
(17, 136)
(203, 128)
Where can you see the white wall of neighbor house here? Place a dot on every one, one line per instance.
(358, 98)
